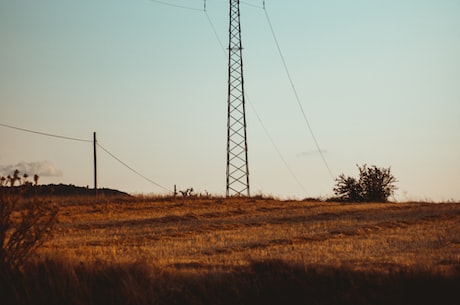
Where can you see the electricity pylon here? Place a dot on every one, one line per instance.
(237, 146)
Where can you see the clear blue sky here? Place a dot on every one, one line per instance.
(379, 82)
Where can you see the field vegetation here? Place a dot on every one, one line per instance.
(243, 251)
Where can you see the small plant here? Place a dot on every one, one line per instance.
(22, 180)
(187, 193)
(15, 177)
(24, 226)
(374, 185)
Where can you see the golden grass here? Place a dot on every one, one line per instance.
(242, 251)
(223, 234)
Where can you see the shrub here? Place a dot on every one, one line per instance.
(374, 185)
(24, 226)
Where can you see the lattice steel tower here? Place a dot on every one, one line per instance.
(237, 146)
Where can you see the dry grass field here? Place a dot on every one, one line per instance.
(250, 251)
(222, 234)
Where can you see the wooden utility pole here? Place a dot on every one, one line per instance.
(95, 162)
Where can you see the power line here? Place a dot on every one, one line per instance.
(297, 95)
(215, 31)
(254, 109)
(250, 4)
(280, 155)
(45, 134)
(86, 141)
(267, 133)
(263, 7)
(258, 117)
(177, 5)
(247, 3)
(130, 168)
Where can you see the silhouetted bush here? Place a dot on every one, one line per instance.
(24, 226)
(374, 185)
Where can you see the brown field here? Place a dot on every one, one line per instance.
(222, 234)
(249, 251)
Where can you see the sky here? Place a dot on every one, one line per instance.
(379, 82)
